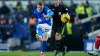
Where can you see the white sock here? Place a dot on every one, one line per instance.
(41, 52)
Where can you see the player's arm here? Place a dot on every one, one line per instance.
(50, 13)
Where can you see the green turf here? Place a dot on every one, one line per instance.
(38, 54)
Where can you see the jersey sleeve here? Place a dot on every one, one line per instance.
(50, 13)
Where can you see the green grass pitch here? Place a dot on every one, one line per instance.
(38, 54)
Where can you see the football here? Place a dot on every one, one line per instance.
(65, 18)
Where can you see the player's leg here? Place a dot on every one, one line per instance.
(62, 44)
(45, 29)
(95, 52)
(44, 43)
(38, 37)
(97, 44)
(39, 34)
(64, 48)
(39, 31)
(58, 43)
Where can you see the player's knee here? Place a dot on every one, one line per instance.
(45, 37)
(58, 36)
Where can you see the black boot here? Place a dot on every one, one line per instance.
(58, 44)
(95, 55)
(64, 51)
(56, 53)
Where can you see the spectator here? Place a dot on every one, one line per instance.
(88, 9)
(30, 7)
(14, 17)
(4, 9)
(19, 5)
(32, 26)
(77, 21)
(77, 28)
(22, 19)
(19, 9)
(71, 10)
(28, 14)
(84, 10)
(10, 29)
(21, 32)
(95, 25)
(80, 10)
(32, 20)
(2, 24)
(15, 11)
(24, 30)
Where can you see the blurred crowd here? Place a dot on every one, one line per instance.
(20, 23)
(15, 24)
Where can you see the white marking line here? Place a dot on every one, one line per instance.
(76, 52)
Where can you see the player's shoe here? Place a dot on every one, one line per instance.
(38, 37)
(95, 55)
(64, 52)
(42, 54)
(56, 53)
(92, 53)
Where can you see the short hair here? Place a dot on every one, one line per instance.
(40, 3)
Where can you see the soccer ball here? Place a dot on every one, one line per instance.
(65, 18)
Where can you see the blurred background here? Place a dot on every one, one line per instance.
(17, 25)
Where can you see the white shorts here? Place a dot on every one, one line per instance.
(43, 28)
